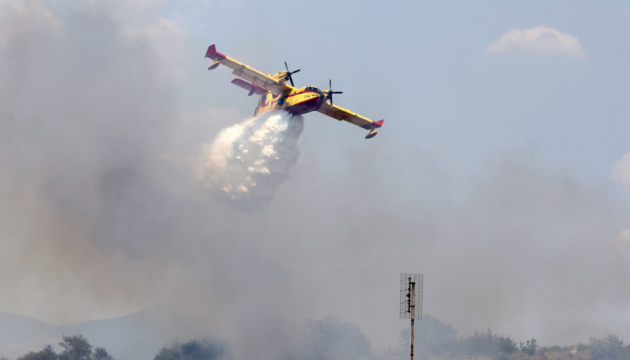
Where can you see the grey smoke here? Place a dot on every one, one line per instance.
(330, 338)
(98, 218)
(83, 119)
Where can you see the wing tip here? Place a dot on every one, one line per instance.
(373, 131)
(372, 134)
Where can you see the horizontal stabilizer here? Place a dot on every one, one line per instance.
(252, 88)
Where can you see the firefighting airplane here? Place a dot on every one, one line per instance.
(275, 93)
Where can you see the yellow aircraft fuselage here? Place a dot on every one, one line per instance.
(299, 101)
(296, 101)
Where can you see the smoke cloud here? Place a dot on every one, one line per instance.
(247, 162)
(100, 215)
(83, 119)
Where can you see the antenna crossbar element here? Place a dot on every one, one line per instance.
(411, 296)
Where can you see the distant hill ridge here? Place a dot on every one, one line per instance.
(125, 337)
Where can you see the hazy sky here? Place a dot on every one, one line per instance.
(502, 172)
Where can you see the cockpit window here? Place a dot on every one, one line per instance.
(312, 88)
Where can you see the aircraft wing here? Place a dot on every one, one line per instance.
(246, 72)
(340, 113)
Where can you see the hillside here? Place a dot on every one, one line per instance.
(126, 337)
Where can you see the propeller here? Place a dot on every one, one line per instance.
(330, 93)
(289, 73)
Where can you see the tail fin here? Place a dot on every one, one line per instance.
(212, 53)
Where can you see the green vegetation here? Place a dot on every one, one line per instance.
(74, 347)
(193, 350)
(330, 339)
(436, 340)
(609, 348)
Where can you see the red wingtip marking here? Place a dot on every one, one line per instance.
(213, 53)
(379, 123)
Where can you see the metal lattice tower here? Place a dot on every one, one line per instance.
(411, 299)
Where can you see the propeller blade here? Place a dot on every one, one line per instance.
(330, 92)
(289, 73)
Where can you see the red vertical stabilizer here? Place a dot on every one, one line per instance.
(212, 53)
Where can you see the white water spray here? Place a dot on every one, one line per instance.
(247, 162)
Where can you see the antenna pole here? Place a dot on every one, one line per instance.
(411, 300)
(413, 311)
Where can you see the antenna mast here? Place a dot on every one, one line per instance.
(411, 299)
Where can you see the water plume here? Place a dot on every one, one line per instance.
(247, 162)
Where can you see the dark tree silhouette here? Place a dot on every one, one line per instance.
(45, 354)
(100, 353)
(609, 348)
(75, 347)
(529, 347)
(194, 350)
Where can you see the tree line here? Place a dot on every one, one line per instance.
(330, 339)
(76, 347)
(436, 340)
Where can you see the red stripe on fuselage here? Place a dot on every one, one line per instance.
(305, 106)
